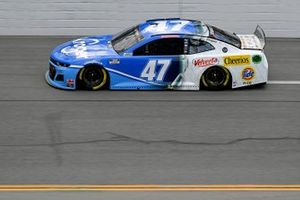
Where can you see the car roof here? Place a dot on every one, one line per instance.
(173, 26)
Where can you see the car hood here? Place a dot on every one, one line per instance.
(84, 49)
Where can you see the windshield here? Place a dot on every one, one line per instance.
(126, 39)
(225, 36)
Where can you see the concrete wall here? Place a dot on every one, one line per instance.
(279, 18)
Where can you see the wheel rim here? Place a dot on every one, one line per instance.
(216, 77)
(94, 78)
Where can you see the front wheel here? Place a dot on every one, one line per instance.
(216, 78)
(93, 78)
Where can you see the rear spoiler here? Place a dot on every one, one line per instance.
(260, 34)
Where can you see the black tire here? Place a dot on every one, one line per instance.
(216, 78)
(93, 78)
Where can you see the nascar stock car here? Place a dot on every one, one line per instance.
(161, 54)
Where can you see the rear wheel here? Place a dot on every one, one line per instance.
(93, 78)
(216, 78)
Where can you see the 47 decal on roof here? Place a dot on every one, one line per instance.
(161, 26)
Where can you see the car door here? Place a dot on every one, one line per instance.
(201, 54)
(154, 65)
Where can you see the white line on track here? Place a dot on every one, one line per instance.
(284, 82)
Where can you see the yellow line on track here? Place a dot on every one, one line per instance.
(149, 187)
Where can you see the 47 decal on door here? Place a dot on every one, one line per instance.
(150, 70)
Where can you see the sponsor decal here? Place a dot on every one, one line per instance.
(114, 61)
(247, 83)
(205, 62)
(84, 47)
(248, 74)
(70, 83)
(127, 54)
(85, 41)
(234, 83)
(256, 59)
(236, 60)
(225, 50)
(170, 36)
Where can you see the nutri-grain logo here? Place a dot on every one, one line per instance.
(205, 62)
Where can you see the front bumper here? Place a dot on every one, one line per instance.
(62, 77)
(55, 84)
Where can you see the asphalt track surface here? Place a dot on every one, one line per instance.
(151, 195)
(50, 136)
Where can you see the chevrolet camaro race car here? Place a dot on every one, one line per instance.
(161, 54)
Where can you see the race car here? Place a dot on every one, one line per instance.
(161, 54)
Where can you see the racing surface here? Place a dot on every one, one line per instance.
(50, 136)
(150, 195)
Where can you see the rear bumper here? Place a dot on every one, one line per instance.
(260, 72)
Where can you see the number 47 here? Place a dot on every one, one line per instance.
(149, 71)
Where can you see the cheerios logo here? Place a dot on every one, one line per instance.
(236, 60)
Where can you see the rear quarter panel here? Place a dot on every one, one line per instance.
(240, 64)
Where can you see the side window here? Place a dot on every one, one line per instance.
(199, 46)
(164, 46)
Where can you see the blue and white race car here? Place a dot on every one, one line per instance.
(161, 54)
